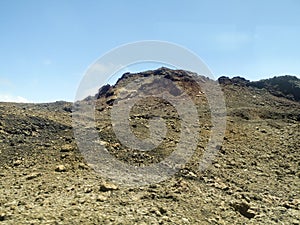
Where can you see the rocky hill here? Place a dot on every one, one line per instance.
(282, 86)
(254, 178)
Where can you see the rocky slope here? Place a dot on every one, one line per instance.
(254, 178)
(283, 86)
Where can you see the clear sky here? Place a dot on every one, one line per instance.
(47, 45)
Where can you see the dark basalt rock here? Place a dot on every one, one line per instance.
(224, 80)
(282, 86)
(103, 90)
(239, 81)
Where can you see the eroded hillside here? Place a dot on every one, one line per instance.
(254, 178)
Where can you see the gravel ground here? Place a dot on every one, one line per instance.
(254, 178)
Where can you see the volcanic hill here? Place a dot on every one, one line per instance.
(253, 179)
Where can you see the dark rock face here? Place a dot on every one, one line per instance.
(185, 78)
(224, 80)
(103, 90)
(283, 86)
(239, 81)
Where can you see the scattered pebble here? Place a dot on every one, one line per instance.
(60, 168)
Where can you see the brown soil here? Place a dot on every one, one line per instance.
(254, 178)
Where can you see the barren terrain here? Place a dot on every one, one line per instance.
(254, 178)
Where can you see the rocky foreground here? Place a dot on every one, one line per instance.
(254, 178)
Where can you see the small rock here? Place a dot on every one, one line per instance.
(83, 166)
(185, 220)
(116, 145)
(219, 147)
(47, 145)
(162, 210)
(295, 222)
(88, 190)
(33, 175)
(108, 186)
(63, 156)
(3, 217)
(60, 168)
(81, 201)
(155, 211)
(192, 174)
(71, 188)
(17, 162)
(217, 165)
(244, 209)
(67, 148)
(296, 202)
(101, 198)
(221, 185)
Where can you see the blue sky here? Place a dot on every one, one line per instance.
(46, 46)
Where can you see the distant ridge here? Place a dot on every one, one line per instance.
(282, 86)
(286, 86)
